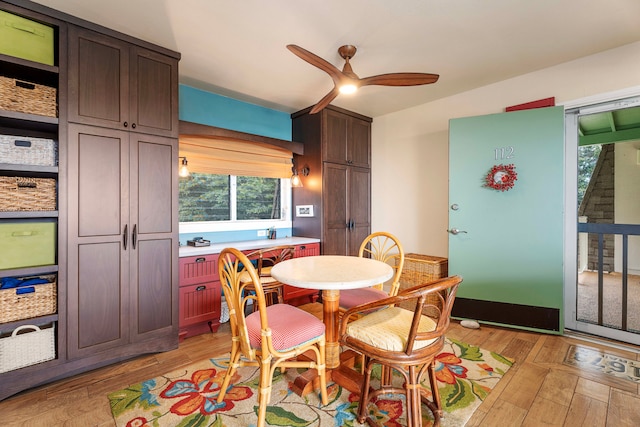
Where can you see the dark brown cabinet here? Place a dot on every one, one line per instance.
(122, 243)
(346, 139)
(117, 227)
(118, 85)
(337, 147)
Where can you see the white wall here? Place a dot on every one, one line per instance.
(410, 147)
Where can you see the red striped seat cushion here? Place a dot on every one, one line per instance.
(352, 297)
(289, 325)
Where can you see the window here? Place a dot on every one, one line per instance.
(209, 198)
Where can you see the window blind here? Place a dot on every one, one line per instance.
(233, 157)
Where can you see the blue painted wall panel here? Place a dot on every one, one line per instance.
(211, 109)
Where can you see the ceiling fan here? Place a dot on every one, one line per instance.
(346, 81)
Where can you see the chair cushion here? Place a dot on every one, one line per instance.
(388, 329)
(289, 325)
(352, 297)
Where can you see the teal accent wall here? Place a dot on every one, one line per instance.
(211, 109)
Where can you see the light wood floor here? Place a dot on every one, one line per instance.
(538, 390)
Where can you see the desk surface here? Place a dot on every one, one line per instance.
(332, 272)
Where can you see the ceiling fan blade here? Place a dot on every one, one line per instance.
(400, 79)
(325, 101)
(316, 61)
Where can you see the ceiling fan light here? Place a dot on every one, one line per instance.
(348, 88)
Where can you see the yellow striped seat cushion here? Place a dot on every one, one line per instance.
(388, 329)
(265, 277)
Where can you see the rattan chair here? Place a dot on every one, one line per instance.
(381, 246)
(404, 341)
(271, 337)
(263, 260)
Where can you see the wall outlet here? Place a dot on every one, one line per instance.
(262, 233)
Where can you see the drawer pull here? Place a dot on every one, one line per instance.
(201, 259)
(201, 288)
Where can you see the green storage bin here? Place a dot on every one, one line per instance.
(26, 39)
(27, 244)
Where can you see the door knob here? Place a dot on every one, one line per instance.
(456, 231)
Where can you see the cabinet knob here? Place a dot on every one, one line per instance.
(201, 288)
(133, 125)
(201, 259)
(126, 124)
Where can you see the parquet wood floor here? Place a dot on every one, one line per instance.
(539, 390)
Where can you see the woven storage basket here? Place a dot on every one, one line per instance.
(40, 302)
(26, 97)
(419, 269)
(28, 348)
(19, 150)
(27, 194)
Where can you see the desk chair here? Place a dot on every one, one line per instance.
(271, 337)
(404, 341)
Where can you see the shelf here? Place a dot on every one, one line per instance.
(30, 271)
(27, 121)
(29, 171)
(28, 214)
(24, 69)
(38, 321)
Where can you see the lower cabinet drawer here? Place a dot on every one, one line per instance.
(198, 269)
(200, 303)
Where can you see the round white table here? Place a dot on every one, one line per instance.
(331, 273)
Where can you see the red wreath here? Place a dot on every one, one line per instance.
(501, 177)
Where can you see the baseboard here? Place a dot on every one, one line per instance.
(526, 316)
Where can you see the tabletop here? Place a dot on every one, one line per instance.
(331, 272)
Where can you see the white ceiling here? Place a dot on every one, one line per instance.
(237, 47)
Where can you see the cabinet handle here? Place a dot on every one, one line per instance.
(201, 259)
(201, 288)
(134, 235)
(133, 125)
(126, 124)
(125, 236)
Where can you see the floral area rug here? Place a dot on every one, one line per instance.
(187, 397)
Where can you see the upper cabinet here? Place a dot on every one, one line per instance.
(118, 85)
(346, 139)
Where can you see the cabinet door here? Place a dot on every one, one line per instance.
(359, 202)
(359, 142)
(334, 136)
(98, 243)
(335, 214)
(154, 240)
(154, 93)
(98, 79)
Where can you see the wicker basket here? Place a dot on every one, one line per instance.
(419, 269)
(28, 348)
(27, 194)
(19, 150)
(26, 97)
(40, 302)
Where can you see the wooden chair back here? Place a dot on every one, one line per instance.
(385, 247)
